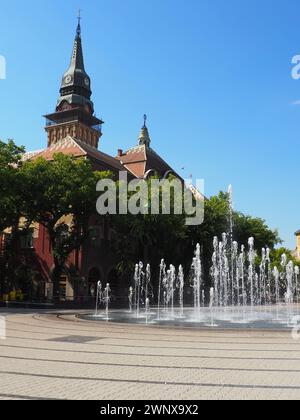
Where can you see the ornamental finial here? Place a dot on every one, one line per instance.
(144, 138)
(79, 21)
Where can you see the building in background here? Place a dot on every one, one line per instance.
(296, 253)
(73, 129)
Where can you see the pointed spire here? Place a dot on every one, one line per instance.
(76, 83)
(77, 55)
(78, 31)
(144, 138)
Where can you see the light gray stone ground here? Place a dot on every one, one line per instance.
(46, 356)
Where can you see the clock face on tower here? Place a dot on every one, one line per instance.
(68, 79)
(87, 81)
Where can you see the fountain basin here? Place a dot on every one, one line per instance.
(277, 317)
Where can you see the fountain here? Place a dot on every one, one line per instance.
(138, 278)
(162, 274)
(243, 292)
(245, 289)
(106, 300)
(197, 281)
(130, 298)
(102, 298)
(180, 286)
(98, 297)
(296, 279)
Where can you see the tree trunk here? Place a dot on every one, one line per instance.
(56, 275)
(13, 261)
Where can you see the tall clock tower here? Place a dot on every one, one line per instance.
(74, 115)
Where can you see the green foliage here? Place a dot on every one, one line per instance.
(48, 193)
(217, 222)
(57, 188)
(10, 156)
(276, 255)
(10, 153)
(147, 237)
(247, 226)
(61, 196)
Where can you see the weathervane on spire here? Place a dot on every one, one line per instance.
(79, 21)
(145, 120)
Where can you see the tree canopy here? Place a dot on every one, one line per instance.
(10, 158)
(55, 190)
(45, 193)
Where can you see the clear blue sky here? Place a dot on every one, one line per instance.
(213, 76)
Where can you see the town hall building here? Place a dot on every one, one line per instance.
(73, 129)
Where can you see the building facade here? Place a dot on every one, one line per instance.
(297, 250)
(73, 129)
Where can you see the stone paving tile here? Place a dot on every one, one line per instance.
(278, 350)
(258, 380)
(129, 362)
(210, 364)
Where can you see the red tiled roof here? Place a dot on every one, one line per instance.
(138, 160)
(74, 147)
(101, 157)
(142, 159)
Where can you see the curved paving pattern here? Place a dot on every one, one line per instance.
(50, 356)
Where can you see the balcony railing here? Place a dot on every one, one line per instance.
(50, 123)
(98, 128)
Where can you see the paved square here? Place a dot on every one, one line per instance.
(46, 356)
(2, 328)
(76, 339)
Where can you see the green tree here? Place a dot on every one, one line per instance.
(150, 238)
(10, 159)
(147, 237)
(277, 253)
(247, 226)
(56, 190)
(217, 221)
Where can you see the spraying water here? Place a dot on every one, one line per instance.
(231, 242)
(197, 280)
(98, 297)
(162, 275)
(130, 298)
(180, 286)
(106, 297)
(250, 284)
